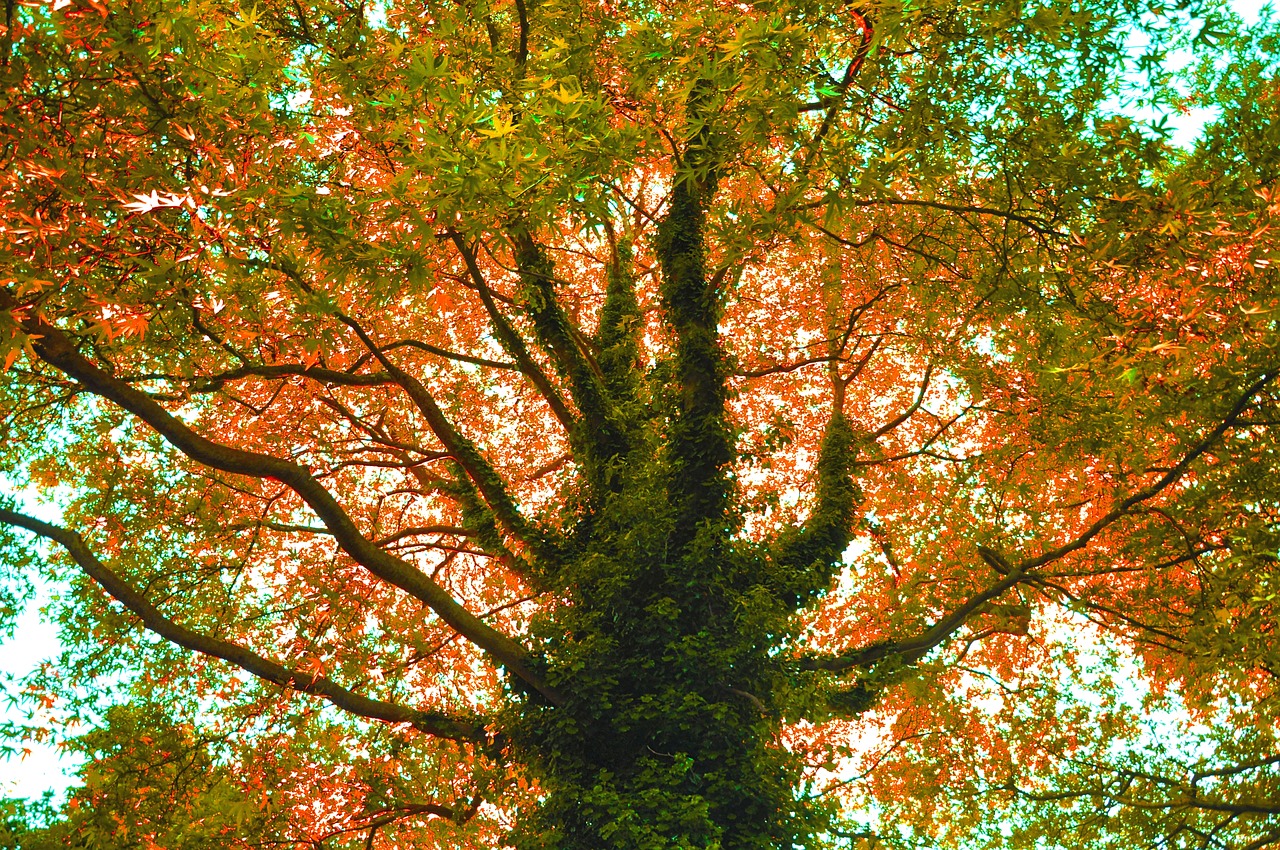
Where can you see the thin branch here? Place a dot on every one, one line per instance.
(913, 649)
(910, 411)
(450, 355)
(1178, 470)
(482, 474)
(868, 30)
(378, 818)
(902, 246)
(286, 528)
(430, 722)
(783, 368)
(1037, 224)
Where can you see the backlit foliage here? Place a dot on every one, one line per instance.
(591, 424)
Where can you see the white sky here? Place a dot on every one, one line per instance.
(34, 641)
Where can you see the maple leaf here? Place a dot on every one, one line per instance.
(565, 95)
(501, 126)
(154, 200)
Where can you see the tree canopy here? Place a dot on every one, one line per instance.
(635, 424)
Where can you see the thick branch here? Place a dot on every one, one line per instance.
(418, 531)
(522, 46)
(807, 557)
(510, 340)
(700, 442)
(54, 347)
(430, 722)
(621, 321)
(463, 450)
(556, 334)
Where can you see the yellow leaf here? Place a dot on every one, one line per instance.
(502, 126)
(565, 95)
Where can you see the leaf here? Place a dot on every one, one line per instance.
(501, 127)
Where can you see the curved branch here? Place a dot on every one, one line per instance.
(485, 478)
(1038, 225)
(913, 649)
(1176, 472)
(807, 556)
(55, 348)
(153, 620)
(417, 531)
(511, 340)
(910, 411)
(833, 105)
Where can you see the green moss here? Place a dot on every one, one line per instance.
(805, 560)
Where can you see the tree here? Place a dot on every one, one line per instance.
(648, 425)
(147, 781)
